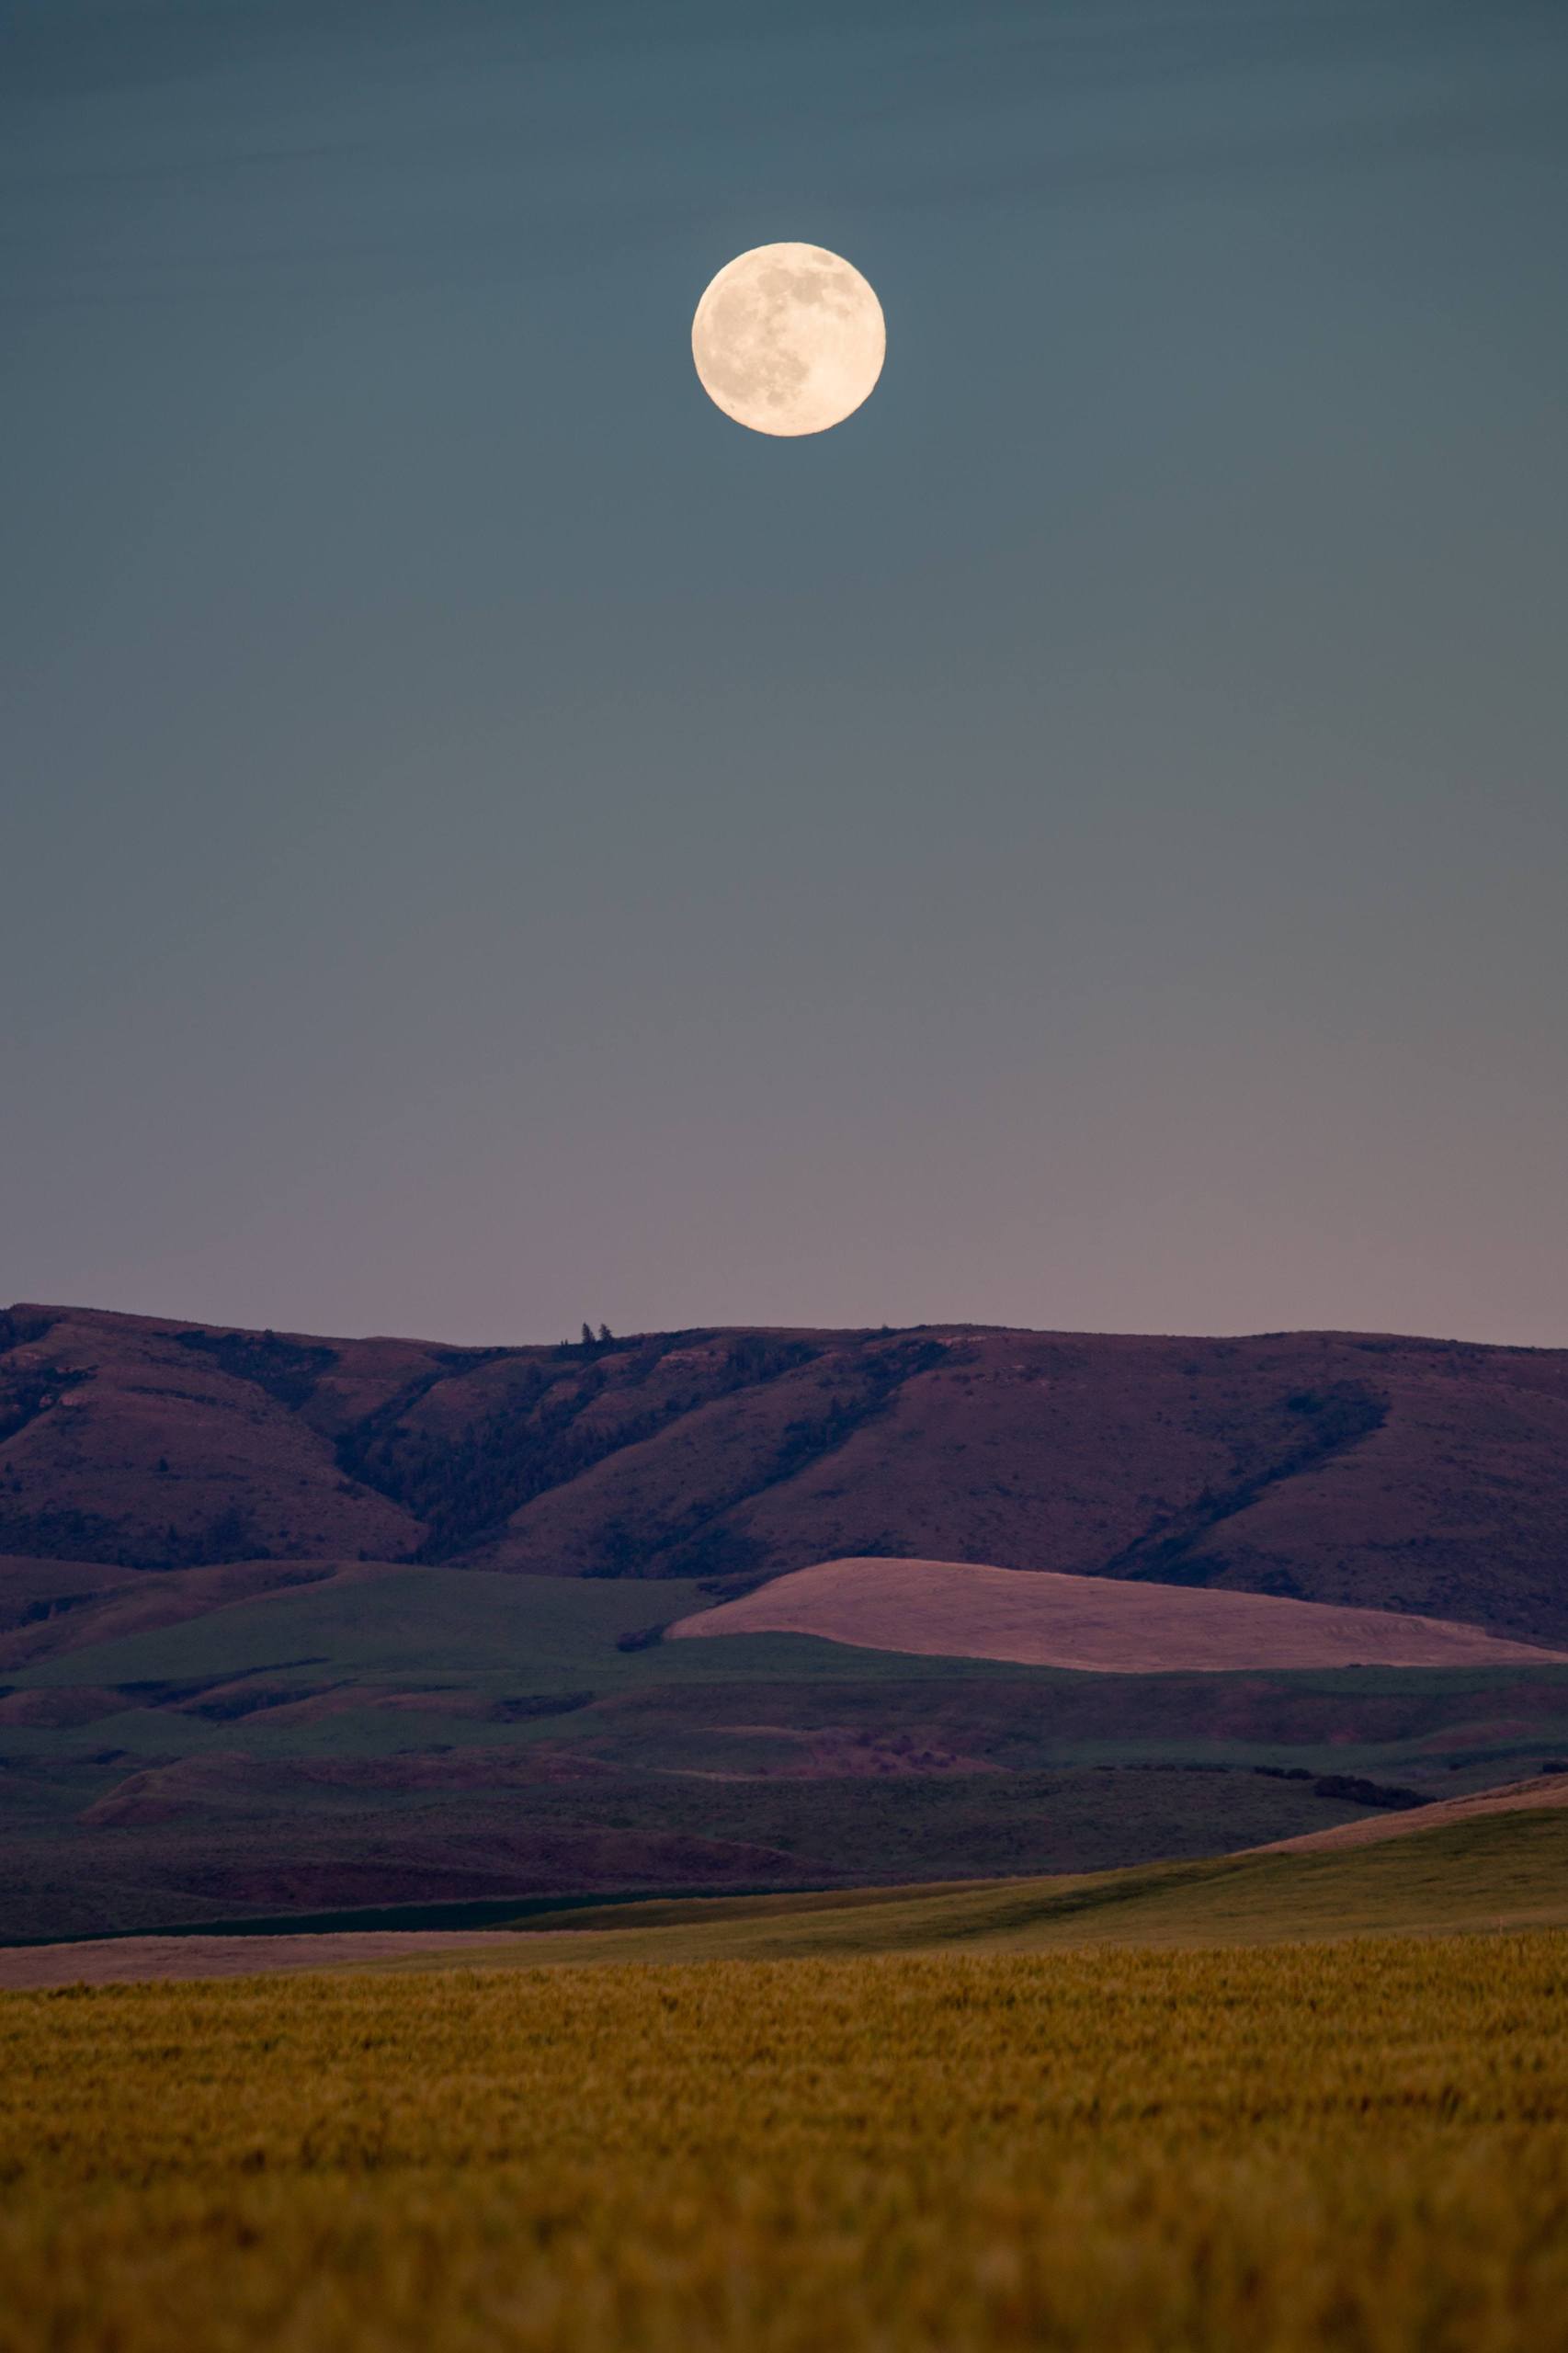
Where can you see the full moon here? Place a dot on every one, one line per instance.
(788, 339)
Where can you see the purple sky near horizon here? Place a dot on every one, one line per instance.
(489, 843)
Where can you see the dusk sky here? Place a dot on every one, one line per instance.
(489, 842)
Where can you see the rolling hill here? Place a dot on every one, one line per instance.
(1497, 1861)
(1371, 1471)
(1500, 1861)
(1504, 1869)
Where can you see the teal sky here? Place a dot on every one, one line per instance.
(487, 842)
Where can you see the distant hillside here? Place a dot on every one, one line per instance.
(1407, 1474)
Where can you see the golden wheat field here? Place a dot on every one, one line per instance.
(1359, 2146)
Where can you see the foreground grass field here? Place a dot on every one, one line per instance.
(1360, 2146)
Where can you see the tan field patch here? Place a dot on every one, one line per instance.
(129, 1960)
(1038, 1618)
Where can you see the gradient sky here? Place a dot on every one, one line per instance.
(488, 842)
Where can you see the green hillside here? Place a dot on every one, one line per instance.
(1499, 1870)
(470, 1629)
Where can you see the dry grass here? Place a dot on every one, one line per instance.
(1360, 2147)
(958, 1610)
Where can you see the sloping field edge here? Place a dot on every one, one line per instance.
(1497, 1861)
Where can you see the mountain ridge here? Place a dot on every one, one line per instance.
(1369, 1469)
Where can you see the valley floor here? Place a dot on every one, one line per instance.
(448, 1742)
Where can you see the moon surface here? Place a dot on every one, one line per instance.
(788, 339)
